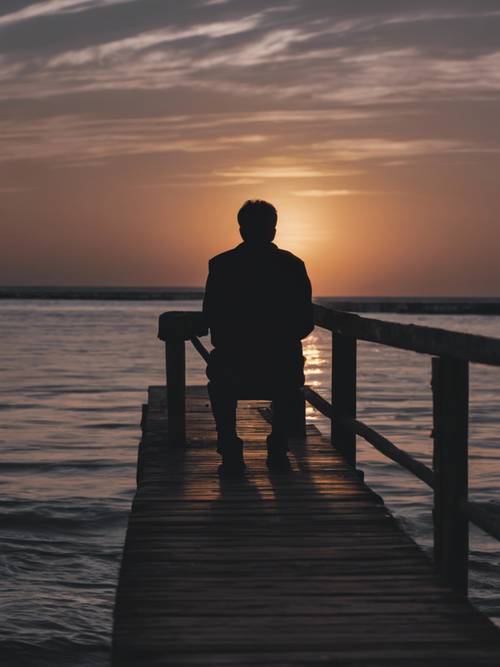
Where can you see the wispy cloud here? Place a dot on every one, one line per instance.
(380, 148)
(53, 7)
(244, 53)
(261, 173)
(432, 16)
(77, 139)
(275, 118)
(245, 74)
(153, 38)
(154, 61)
(275, 168)
(326, 193)
(199, 181)
(262, 50)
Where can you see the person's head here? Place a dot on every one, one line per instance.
(257, 220)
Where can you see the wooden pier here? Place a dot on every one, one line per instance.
(302, 569)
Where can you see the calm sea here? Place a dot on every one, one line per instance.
(73, 377)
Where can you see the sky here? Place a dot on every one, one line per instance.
(131, 131)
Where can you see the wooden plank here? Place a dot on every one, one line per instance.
(296, 570)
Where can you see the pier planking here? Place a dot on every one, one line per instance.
(305, 569)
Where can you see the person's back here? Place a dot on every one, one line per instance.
(258, 308)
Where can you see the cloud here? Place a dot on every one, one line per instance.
(381, 148)
(276, 118)
(154, 61)
(438, 15)
(77, 139)
(250, 50)
(199, 181)
(259, 173)
(283, 167)
(54, 7)
(293, 80)
(405, 76)
(149, 39)
(284, 136)
(326, 193)
(262, 50)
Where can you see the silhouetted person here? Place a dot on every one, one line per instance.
(258, 308)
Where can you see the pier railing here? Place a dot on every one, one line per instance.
(451, 355)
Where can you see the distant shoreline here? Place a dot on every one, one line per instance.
(416, 307)
(104, 293)
(411, 305)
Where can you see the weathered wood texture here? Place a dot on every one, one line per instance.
(427, 340)
(175, 362)
(344, 359)
(299, 570)
(450, 388)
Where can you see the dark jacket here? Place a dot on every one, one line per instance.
(258, 308)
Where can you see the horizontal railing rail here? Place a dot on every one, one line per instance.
(484, 516)
(378, 441)
(451, 354)
(413, 337)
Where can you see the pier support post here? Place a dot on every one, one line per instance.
(174, 329)
(450, 387)
(175, 351)
(344, 395)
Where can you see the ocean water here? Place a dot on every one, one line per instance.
(73, 377)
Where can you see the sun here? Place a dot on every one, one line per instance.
(299, 225)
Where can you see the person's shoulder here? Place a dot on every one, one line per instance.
(223, 258)
(290, 258)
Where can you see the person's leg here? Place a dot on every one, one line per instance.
(229, 446)
(278, 438)
(277, 441)
(224, 411)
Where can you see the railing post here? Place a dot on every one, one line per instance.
(174, 328)
(450, 387)
(175, 357)
(344, 394)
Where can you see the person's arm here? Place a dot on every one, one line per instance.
(305, 320)
(208, 297)
(212, 302)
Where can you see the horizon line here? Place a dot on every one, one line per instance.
(199, 290)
